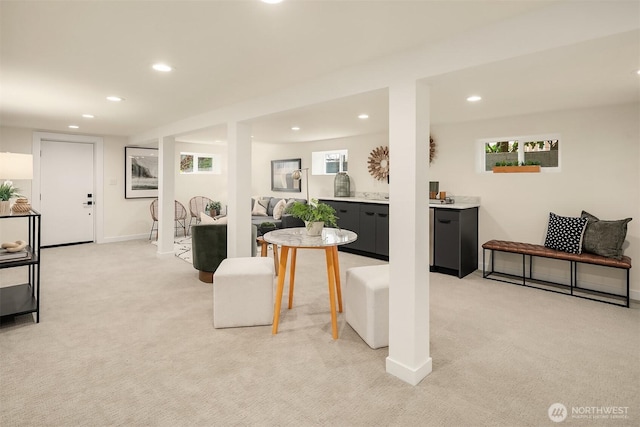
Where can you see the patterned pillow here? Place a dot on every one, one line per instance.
(604, 238)
(565, 233)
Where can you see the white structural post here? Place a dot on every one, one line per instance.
(409, 357)
(166, 194)
(239, 183)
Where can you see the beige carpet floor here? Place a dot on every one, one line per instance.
(127, 339)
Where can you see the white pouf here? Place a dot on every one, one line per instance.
(367, 303)
(243, 292)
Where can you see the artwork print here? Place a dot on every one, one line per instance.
(141, 173)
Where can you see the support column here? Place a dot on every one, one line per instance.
(166, 195)
(239, 183)
(409, 357)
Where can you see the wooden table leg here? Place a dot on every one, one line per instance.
(275, 256)
(331, 274)
(281, 273)
(292, 275)
(336, 266)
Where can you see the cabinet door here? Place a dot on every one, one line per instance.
(447, 239)
(348, 218)
(382, 230)
(367, 235)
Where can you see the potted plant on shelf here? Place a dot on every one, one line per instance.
(213, 208)
(7, 191)
(315, 215)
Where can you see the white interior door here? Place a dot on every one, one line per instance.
(66, 192)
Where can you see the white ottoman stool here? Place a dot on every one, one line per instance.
(367, 303)
(243, 292)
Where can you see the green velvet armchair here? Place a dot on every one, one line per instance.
(209, 245)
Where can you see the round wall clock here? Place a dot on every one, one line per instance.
(379, 163)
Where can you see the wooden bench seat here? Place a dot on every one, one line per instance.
(531, 250)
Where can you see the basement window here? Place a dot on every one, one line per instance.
(329, 162)
(543, 150)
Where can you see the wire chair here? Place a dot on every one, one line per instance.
(197, 205)
(180, 217)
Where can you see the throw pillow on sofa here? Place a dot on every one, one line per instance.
(604, 238)
(278, 210)
(565, 233)
(260, 207)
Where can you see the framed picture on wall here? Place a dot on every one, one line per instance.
(281, 179)
(140, 173)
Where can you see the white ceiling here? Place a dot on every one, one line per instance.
(61, 59)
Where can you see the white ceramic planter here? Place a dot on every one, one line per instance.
(314, 228)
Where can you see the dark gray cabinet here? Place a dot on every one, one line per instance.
(370, 221)
(455, 240)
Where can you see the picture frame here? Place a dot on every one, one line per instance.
(140, 173)
(281, 179)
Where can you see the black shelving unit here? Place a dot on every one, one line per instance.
(24, 298)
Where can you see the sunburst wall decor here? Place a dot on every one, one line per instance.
(379, 163)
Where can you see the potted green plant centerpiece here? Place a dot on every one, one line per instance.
(7, 191)
(213, 208)
(315, 215)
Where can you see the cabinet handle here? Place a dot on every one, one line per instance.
(369, 213)
(383, 215)
(445, 221)
(342, 210)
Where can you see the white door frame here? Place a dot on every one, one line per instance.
(98, 170)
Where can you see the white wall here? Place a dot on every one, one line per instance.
(319, 185)
(599, 151)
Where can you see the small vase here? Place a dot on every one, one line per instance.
(5, 207)
(314, 228)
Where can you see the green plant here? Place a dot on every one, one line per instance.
(314, 212)
(7, 191)
(214, 206)
(267, 225)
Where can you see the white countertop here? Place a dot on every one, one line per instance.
(432, 203)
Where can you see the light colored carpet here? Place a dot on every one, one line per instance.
(127, 339)
(181, 247)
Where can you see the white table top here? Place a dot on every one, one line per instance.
(298, 237)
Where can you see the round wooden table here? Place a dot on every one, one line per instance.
(297, 238)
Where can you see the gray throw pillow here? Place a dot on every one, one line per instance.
(604, 238)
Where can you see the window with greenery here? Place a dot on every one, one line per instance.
(191, 163)
(540, 150)
(329, 162)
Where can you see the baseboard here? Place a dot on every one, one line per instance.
(124, 238)
(407, 374)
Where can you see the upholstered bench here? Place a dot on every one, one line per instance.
(531, 250)
(367, 303)
(243, 292)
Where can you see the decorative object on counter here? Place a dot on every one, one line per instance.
(434, 188)
(379, 163)
(16, 246)
(21, 205)
(342, 185)
(514, 167)
(432, 149)
(297, 176)
(314, 212)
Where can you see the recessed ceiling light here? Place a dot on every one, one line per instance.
(272, 1)
(162, 67)
(114, 98)
(295, 128)
(88, 116)
(474, 98)
(74, 127)
(363, 116)
(638, 71)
